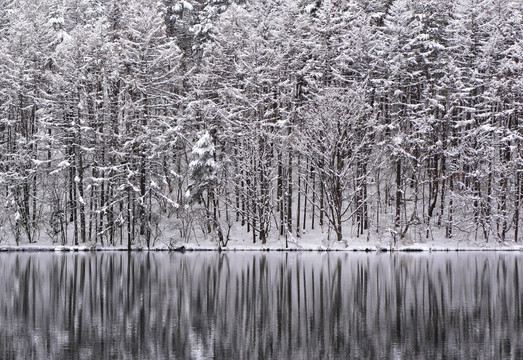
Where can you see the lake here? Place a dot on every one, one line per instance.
(258, 305)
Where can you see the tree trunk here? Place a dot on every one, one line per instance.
(130, 219)
(279, 192)
(448, 230)
(517, 204)
(289, 193)
(313, 204)
(398, 194)
(443, 176)
(298, 205)
(306, 185)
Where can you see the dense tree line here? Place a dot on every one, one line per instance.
(123, 121)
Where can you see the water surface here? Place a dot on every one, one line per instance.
(246, 305)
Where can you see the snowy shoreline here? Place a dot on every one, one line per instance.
(195, 248)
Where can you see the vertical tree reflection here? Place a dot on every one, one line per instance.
(258, 305)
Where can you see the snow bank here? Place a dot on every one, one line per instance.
(266, 247)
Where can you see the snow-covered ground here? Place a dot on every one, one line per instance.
(316, 240)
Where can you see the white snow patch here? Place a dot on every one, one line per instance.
(64, 164)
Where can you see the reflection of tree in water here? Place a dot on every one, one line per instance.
(254, 305)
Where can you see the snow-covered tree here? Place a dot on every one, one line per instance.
(204, 182)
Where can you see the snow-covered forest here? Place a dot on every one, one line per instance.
(128, 121)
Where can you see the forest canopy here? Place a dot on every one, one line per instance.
(129, 121)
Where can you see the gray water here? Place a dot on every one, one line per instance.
(261, 306)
